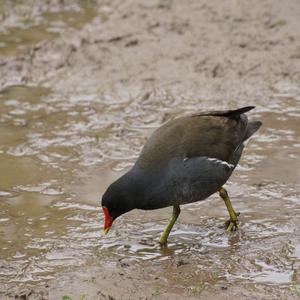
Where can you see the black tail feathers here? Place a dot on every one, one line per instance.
(252, 127)
(227, 113)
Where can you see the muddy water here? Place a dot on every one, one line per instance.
(58, 155)
(26, 31)
(60, 150)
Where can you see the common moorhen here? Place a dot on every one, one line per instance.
(185, 160)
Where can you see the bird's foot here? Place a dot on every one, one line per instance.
(163, 243)
(232, 224)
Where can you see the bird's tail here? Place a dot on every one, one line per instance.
(252, 127)
(227, 113)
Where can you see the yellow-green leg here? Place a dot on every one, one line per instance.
(164, 237)
(232, 224)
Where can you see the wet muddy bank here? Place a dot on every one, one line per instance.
(83, 85)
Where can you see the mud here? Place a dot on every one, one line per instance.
(82, 85)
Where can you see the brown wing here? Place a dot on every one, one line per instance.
(212, 134)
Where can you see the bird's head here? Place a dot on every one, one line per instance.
(116, 201)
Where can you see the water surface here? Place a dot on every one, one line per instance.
(58, 155)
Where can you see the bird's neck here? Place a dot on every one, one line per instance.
(142, 187)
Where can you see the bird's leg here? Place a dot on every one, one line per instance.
(164, 237)
(232, 224)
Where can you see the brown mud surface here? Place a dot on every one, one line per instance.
(82, 84)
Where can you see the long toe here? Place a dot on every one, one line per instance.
(163, 243)
(231, 225)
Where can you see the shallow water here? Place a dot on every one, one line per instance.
(28, 32)
(57, 157)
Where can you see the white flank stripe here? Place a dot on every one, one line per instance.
(222, 162)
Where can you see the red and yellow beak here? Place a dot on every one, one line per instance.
(108, 220)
